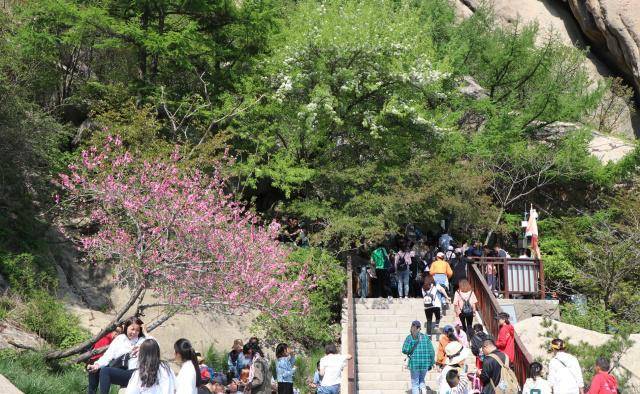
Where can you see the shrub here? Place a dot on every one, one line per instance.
(48, 318)
(321, 325)
(26, 273)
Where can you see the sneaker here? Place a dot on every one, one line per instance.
(406, 297)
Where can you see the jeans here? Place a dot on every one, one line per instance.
(335, 389)
(403, 283)
(109, 376)
(364, 282)
(417, 380)
(94, 380)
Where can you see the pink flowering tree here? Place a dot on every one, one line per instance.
(176, 239)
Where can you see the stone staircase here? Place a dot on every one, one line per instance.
(381, 328)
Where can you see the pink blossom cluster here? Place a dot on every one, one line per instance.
(179, 234)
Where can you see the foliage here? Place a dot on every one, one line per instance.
(47, 317)
(29, 372)
(27, 274)
(326, 287)
(179, 234)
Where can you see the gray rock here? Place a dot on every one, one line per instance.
(472, 89)
(11, 335)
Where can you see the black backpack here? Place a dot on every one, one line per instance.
(467, 309)
(402, 264)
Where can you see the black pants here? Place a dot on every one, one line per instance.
(285, 388)
(467, 323)
(109, 376)
(382, 283)
(429, 314)
(94, 380)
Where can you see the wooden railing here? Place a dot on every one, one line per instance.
(489, 308)
(515, 277)
(351, 329)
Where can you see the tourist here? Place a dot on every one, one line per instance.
(491, 368)
(450, 254)
(331, 366)
(565, 374)
(453, 380)
(380, 259)
(120, 360)
(448, 336)
(403, 270)
(315, 382)
(459, 268)
(456, 356)
(477, 339)
(206, 373)
(445, 241)
(464, 304)
(441, 270)
(96, 351)
(235, 359)
(259, 372)
(189, 376)
(506, 342)
(419, 351)
(603, 382)
(431, 295)
(475, 250)
(285, 368)
(152, 376)
(499, 252)
(535, 383)
(461, 335)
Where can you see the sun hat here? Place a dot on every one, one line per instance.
(456, 353)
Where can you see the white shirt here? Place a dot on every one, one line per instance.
(437, 302)
(332, 365)
(165, 384)
(120, 346)
(539, 384)
(567, 378)
(186, 380)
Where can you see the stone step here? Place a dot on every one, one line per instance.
(392, 376)
(390, 360)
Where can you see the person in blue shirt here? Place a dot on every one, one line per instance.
(285, 368)
(236, 360)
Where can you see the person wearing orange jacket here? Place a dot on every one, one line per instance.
(506, 336)
(441, 271)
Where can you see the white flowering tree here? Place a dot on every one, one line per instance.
(358, 107)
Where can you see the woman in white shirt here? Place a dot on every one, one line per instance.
(153, 375)
(188, 377)
(119, 361)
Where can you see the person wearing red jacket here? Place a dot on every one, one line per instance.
(506, 336)
(603, 382)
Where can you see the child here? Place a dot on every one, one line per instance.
(316, 379)
(453, 379)
(285, 368)
(535, 384)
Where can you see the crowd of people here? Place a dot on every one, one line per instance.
(129, 357)
(494, 369)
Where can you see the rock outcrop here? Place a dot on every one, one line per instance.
(13, 337)
(613, 29)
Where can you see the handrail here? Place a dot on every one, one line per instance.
(489, 308)
(351, 365)
(521, 276)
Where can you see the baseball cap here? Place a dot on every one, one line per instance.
(416, 323)
(440, 254)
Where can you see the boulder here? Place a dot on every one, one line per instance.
(472, 89)
(613, 29)
(6, 387)
(12, 337)
(554, 17)
(529, 331)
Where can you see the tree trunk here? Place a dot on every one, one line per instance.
(490, 233)
(110, 327)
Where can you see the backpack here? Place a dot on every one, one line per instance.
(508, 381)
(402, 264)
(206, 374)
(467, 309)
(428, 300)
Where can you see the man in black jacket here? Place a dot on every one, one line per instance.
(491, 370)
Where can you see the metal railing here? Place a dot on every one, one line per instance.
(351, 329)
(488, 307)
(513, 277)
